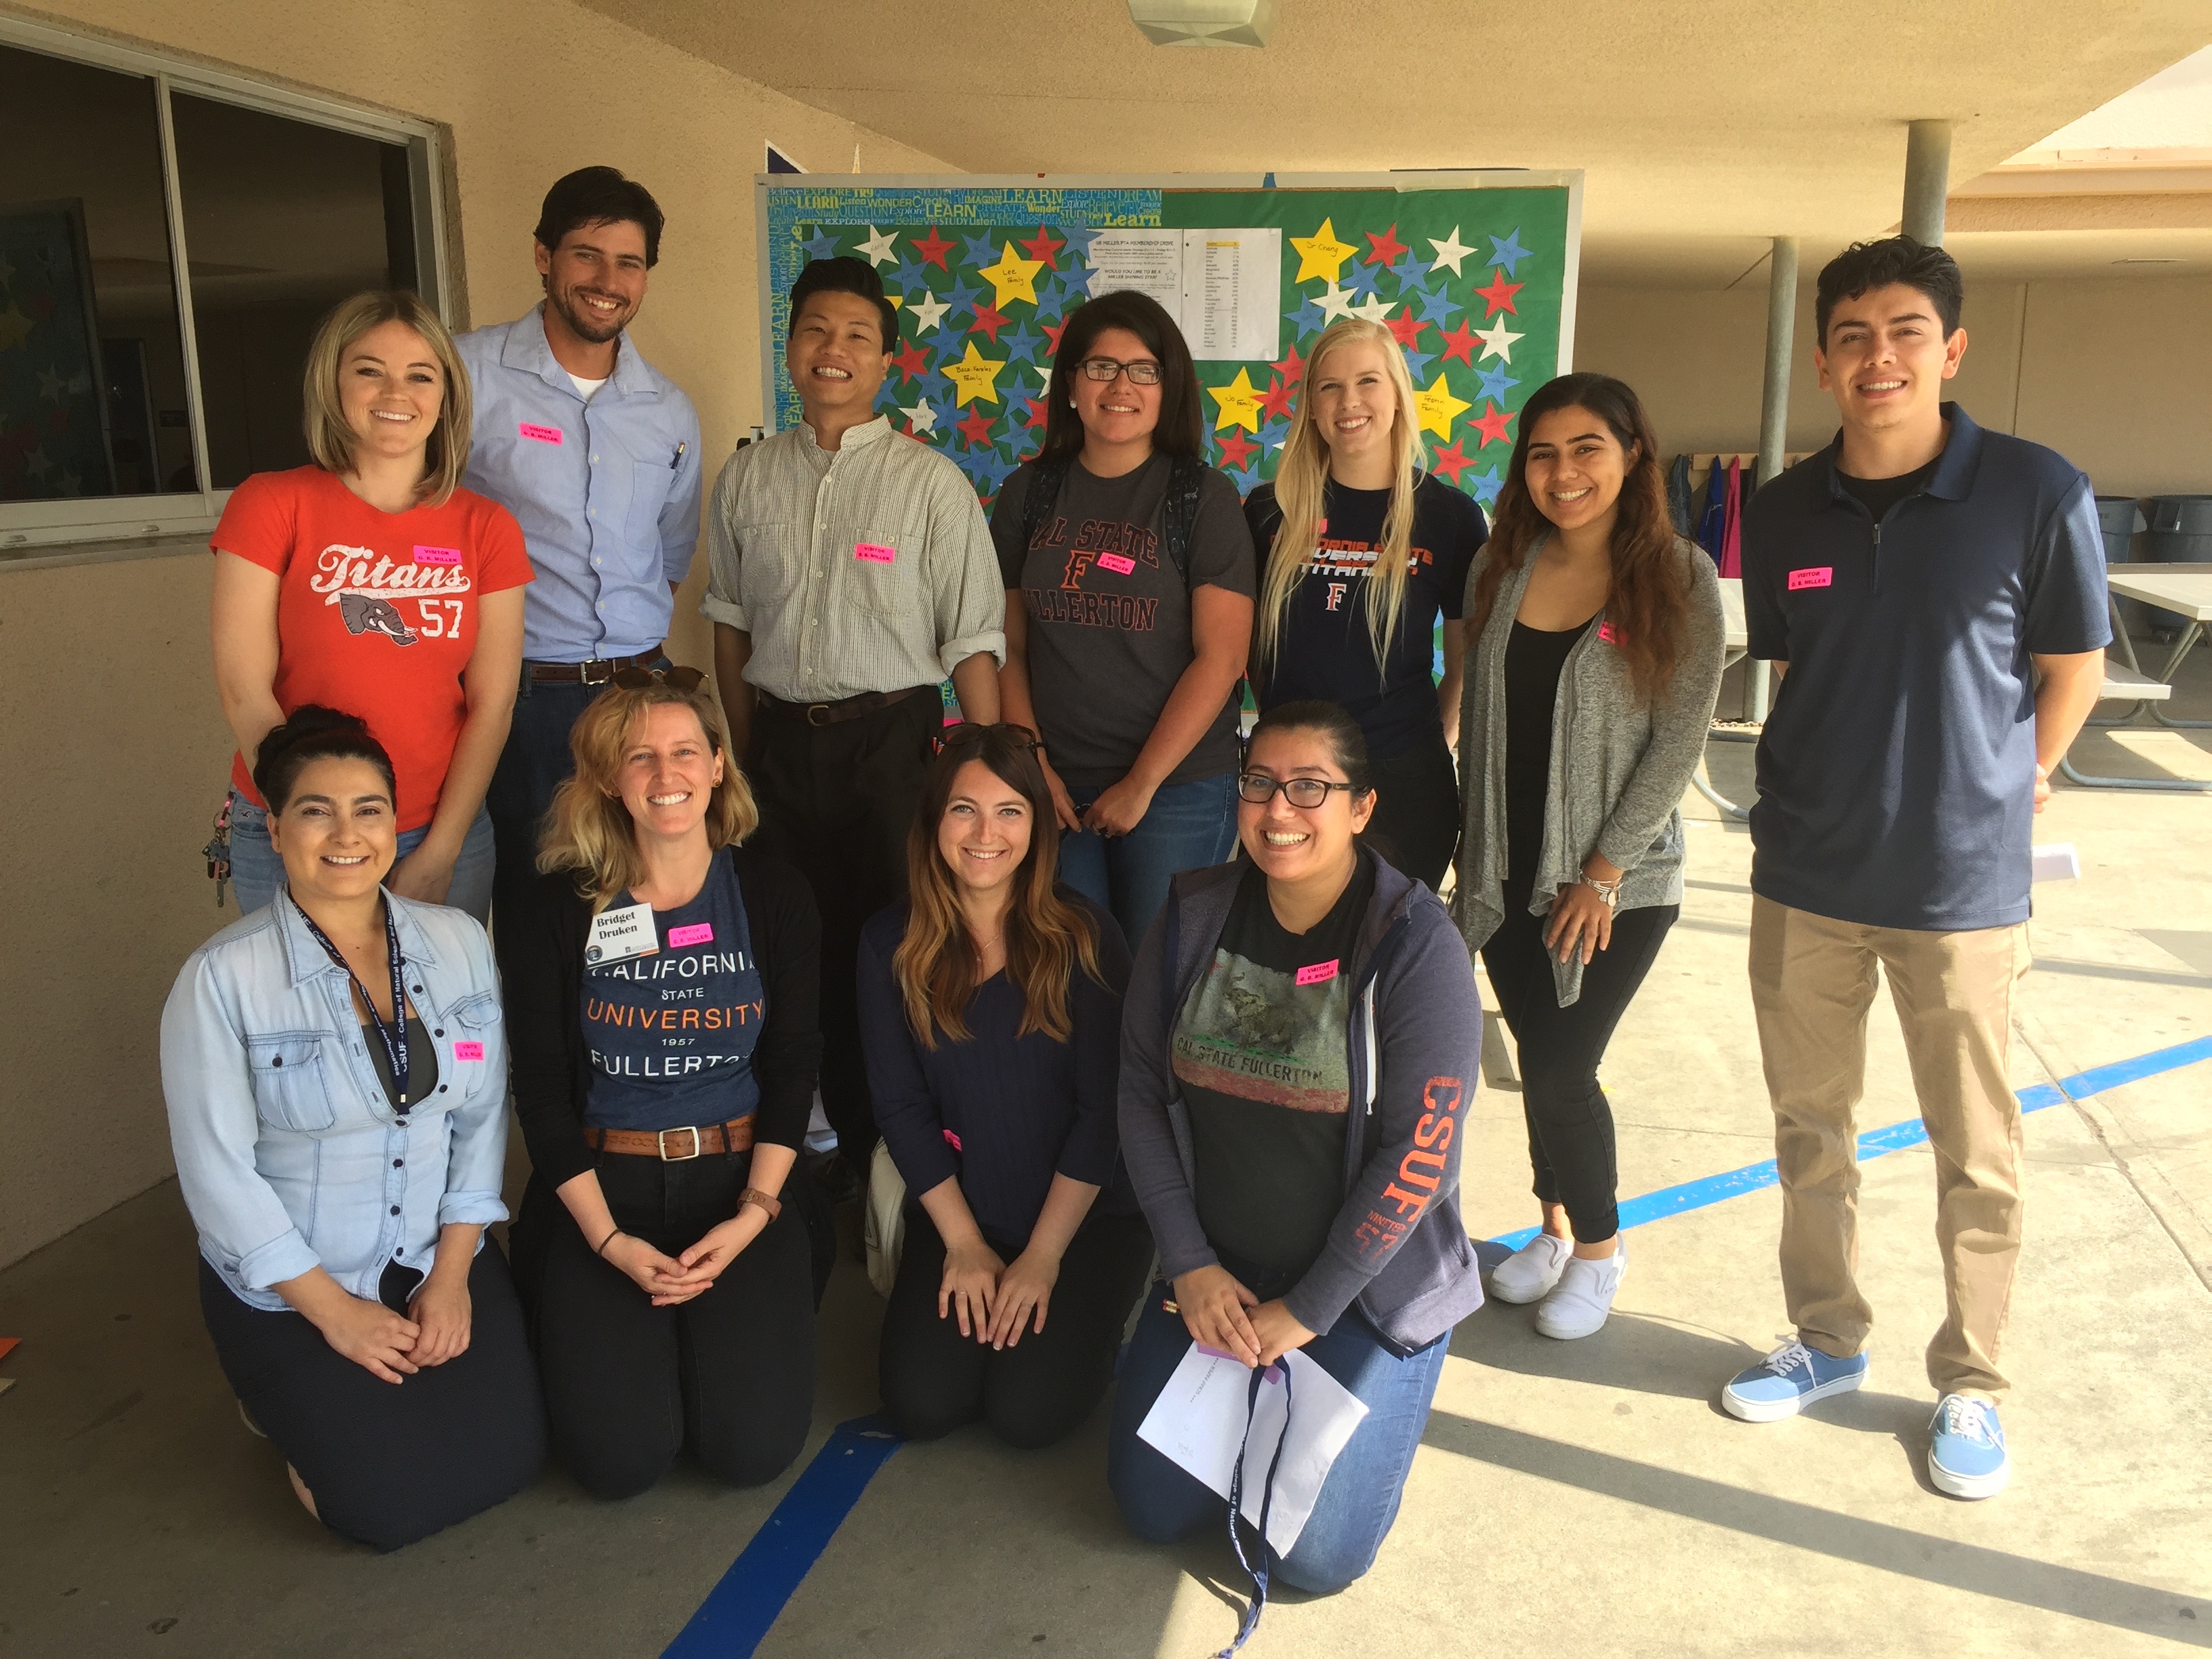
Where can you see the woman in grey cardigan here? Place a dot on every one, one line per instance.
(1594, 655)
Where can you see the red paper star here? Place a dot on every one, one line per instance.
(1052, 333)
(911, 361)
(1044, 245)
(1451, 462)
(1035, 422)
(976, 427)
(1276, 399)
(1461, 342)
(1492, 424)
(1385, 247)
(1293, 368)
(1406, 331)
(989, 320)
(1498, 296)
(932, 249)
(1236, 449)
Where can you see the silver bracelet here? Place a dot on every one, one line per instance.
(1608, 890)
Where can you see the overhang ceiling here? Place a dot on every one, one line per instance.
(1703, 130)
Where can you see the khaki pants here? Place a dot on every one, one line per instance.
(1812, 983)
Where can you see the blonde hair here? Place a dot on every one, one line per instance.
(589, 828)
(330, 439)
(1302, 478)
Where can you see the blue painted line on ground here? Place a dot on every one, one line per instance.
(738, 1610)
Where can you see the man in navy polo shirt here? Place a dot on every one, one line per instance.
(1932, 596)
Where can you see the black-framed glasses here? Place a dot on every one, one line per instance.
(1259, 789)
(676, 680)
(1144, 371)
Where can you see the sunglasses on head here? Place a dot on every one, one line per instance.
(967, 733)
(676, 680)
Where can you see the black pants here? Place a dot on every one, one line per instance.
(728, 1375)
(935, 1379)
(1570, 1125)
(1416, 812)
(837, 801)
(388, 1465)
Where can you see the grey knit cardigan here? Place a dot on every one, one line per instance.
(1619, 765)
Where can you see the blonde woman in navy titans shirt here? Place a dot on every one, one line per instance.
(666, 1057)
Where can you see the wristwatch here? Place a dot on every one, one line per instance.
(770, 1206)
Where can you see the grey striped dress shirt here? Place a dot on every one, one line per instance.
(866, 569)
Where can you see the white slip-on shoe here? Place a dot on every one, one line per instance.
(1578, 1304)
(1529, 1272)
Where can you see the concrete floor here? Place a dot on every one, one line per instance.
(1584, 1497)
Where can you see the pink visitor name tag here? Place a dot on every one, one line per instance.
(1116, 563)
(437, 555)
(1608, 633)
(874, 554)
(544, 434)
(954, 1138)
(1319, 972)
(468, 1051)
(699, 933)
(1818, 576)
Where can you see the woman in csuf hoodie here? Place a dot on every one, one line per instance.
(1299, 1049)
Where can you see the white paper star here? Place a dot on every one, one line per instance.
(1449, 251)
(71, 484)
(50, 385)
(927, 312)
(876, 247)
(1334, 302)
(35, 462)
(921, 416)
(1496, 342)
(1373, 309)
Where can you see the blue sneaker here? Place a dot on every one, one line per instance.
(1967, 1454)
(1788, 1380)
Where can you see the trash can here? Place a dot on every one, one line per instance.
(2119, 518)
(2181, 532)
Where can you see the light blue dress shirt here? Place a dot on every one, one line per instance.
(607, 490)
(290, 1152)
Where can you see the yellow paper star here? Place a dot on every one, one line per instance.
(1321, 254)
(1438, 408)
(976, 376)
(1240, 403)
(15, 327)
(1014, 279)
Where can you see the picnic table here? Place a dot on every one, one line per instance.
(2186, 589)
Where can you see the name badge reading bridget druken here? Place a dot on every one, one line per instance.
(618, 935)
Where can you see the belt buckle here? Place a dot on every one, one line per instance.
(584, 670)
(661, 1139)
(816, 713)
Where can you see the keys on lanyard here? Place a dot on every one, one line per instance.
(395, 1039)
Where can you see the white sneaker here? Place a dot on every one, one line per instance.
(1530, 1271)
(1578, 1304)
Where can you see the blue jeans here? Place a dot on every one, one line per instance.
(1188, 826)
(1358, 1500)
(256, 872)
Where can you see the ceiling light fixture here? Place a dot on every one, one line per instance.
(1204, 22)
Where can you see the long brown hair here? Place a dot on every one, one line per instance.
(937, 964)
(589, 828)
(1648, 600)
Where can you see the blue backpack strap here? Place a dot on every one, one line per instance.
(1040, 497)
(1185, 477)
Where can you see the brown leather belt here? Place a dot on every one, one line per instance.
(675, 1145)
(845, 708)
(597, 672)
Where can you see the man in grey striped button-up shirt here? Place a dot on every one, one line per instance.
(851, 571)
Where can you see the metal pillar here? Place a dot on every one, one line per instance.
(1927, 179)
(1774, 407)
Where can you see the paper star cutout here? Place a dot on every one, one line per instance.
(1438, 307)
(1052, 333)
(1077, 280)
(71, 483)
(989, 320)
(1277, 398)
(1417, 362)
(909, 274)
(1239, 401)
(1308, 317)
(1450, 461)
(1044, 247)
(987, 468)
(1362, 280)
(1022, 343)
(1498, 341)
(15, 327)
(1406, 331)
(974, 376)
(920, 418)
(962, 298)
(976, 249)
(1034, 421)
(1080, 237)
(1012, 278)
(35, 462)
(876, 247)
(1333, 302)
(976, 427)
(1321, 254)
(1383, 249)
(1496, 384)
(932, 249)
(1492, 424)
(50, 385)
(1498, 296)
(886, 396)
(1236, 449)
(1274, 436)
(1373, 309)
(910, 360)
(1509, 252)
(1293, 368)
(1459, 342)
(1247, 479)
(1437, 408)
(820, 245)
(1449, 251)
(1485, 487)
(927, 312)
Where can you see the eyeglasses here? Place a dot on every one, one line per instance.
(1259, 789)
(642, 679)
(1143, 373)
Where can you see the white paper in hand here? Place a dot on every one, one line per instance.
(1199, 1421)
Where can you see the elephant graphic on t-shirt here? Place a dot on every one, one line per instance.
(364, 613)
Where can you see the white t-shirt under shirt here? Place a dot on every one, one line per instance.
(585, 388)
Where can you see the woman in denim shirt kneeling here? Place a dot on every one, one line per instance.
(336, 1070)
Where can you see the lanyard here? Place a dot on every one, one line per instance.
(1256, 1565)
(395, 1039)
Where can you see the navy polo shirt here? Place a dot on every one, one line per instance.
(1897, 774)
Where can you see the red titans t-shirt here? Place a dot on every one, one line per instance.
(376, 612)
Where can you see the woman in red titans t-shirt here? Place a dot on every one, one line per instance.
(371, 582)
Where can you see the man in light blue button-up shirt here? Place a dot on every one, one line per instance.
(597, 453)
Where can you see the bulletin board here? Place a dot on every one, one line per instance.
(1474, 272)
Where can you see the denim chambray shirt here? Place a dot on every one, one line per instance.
(289, 1153)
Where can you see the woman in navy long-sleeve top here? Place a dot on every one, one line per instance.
(991, 1016)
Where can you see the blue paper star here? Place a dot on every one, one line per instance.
(1274, 436)
(1496, 384)
(1079, 238)
(978, 251)
(1508, 251)
(962, 298)
(1417, 362)
(886, 395)
(987, 467)
(1361, 279)
(1307, 318)
(820, 245)
(1408, 270)
(1022, 345)
(1246, 478)
(1484, 486)
(1078, 281)
(1438, 307)
(947, 417)
(910, 275)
